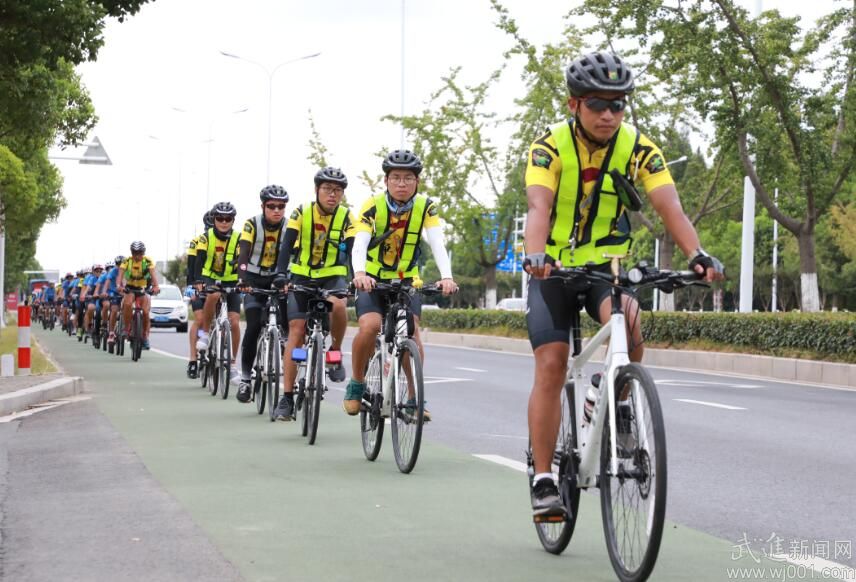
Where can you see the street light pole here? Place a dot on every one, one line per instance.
(270, 75)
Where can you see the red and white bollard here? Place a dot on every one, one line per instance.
(24, 340)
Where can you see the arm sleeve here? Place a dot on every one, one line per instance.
(201, 257)
(434, 236)
(285, 247)
(244, 248)
(359, 251)
(191, 268)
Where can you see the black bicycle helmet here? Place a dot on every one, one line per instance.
(600, 71)
(402, 160)
(119, 260)
(207, 219)
(331, 174)
(223, 209)
(138, 247)
(273, 192)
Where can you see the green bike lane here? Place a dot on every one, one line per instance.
(279, 509)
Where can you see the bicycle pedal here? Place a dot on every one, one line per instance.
(549, 518)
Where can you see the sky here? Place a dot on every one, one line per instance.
(169, 105)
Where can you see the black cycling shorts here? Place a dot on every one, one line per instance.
(372, 302)
(551, 303)
(298, 302)
(233, 299)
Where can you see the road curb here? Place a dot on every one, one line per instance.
(24, 398)
(769, 367)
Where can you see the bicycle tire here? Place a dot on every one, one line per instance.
(555, 536)
(202, 366)
(407, 412)
(371, 421)
(214, 362)
(260, 380)
(315, 390)
(301, 404)
(642, 476)
(275, 356)
(225, 360)
(136, 333)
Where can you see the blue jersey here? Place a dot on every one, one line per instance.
(110, 279)
(75, 285)
(50, 293)
(90, 281)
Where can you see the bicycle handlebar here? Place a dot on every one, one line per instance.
(636, 278)
(341, 293)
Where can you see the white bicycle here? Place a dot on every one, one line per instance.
(629, 470)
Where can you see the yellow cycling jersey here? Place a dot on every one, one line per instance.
(268, 248)
(390, 249)
(194, 243)
(321, 230)
(137, 273)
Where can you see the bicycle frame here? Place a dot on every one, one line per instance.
(389, 355)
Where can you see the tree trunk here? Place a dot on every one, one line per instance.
(667, 253)
(490, 287)
(810, 298)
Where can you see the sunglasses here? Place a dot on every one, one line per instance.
(598, 104)
(275, 206)
(224, 219)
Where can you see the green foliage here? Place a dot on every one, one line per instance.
(176, 270)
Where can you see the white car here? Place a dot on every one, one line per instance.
(169, 309)
(512, 304)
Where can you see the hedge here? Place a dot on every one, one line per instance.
(824, 335)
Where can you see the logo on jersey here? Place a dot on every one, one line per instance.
(541, 159)
(655, 164)
(248, 227)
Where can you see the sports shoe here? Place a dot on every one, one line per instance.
(202, 341)
(234, 374)
(192, 370)
(146, 345)
(353, 397)
(337, 373)
(111, 339)
(285, 409)
(545, 499)
(410, 407)
(244, 391)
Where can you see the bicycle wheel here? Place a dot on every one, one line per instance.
(555, 535)
(300, 401)
(136, 333)
(225, 360)
(260, 379)
(274, 373)
(202, 366)
(371, 421)
(407, 407)
(314, 390)
(214, 362)
(633, 501)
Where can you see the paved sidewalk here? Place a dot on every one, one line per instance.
(14, 383)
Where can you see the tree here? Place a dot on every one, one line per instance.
(759, 78)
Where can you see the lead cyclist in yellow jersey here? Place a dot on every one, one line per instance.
(137, 272)
(575, 218)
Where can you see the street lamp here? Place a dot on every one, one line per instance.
(270, 74)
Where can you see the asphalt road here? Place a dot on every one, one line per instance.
(240, 496)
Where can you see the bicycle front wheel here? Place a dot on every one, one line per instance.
(225, 360)
(556, 535)
(371, 421)
(407, 407)
(274, 373)
(214, 362)
(633, 500)
(315, 390)
(137, 335)
(260, 381)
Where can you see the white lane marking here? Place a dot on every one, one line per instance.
(504, 461)
(503, 352)
(506, 436)
(44, 406)
(822, 566)
(750, 377)
(693, 383)
(171, 355)
(469, 369)
(713, 404)
(443, 380)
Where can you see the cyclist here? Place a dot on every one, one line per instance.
(196, 302)
(257, 255)
(112, 297)
(65, 293)
(323, 232)
(137, 273)
(215, 261)
(399, 218)
(574, 219)
(49, 299)
(89, 294)
(80, 300)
